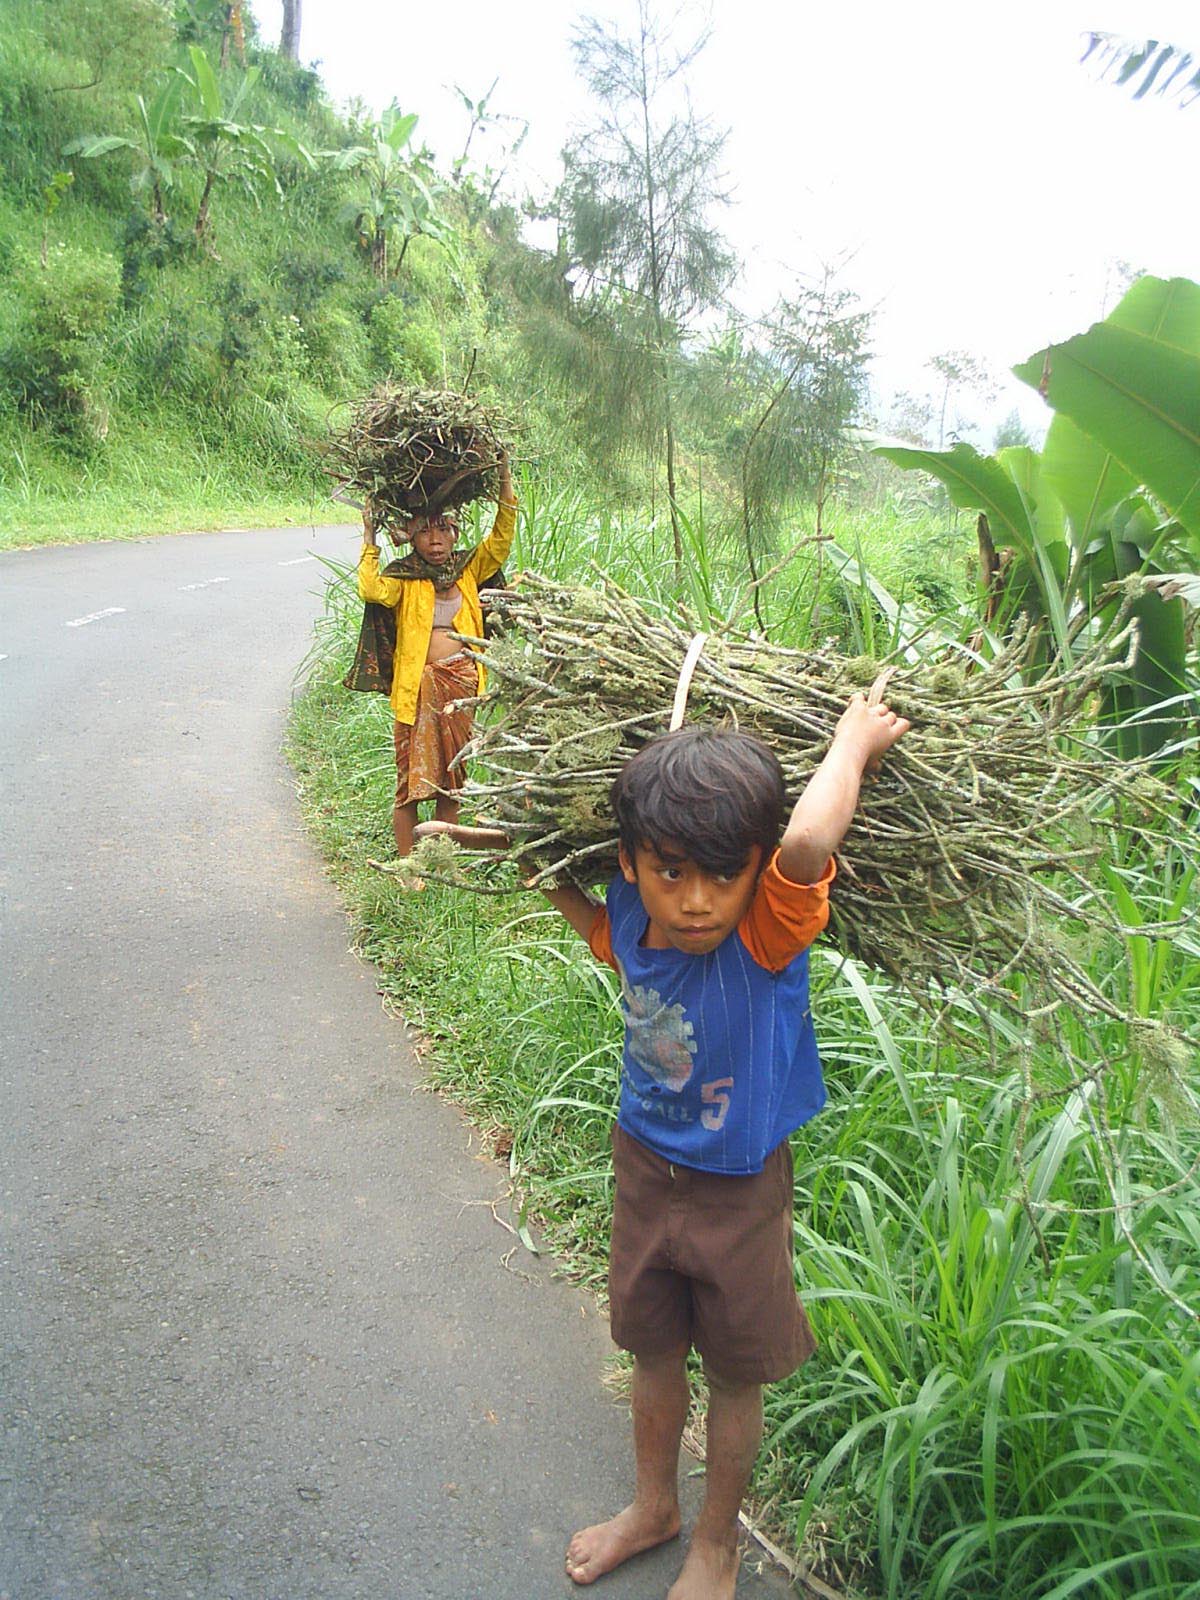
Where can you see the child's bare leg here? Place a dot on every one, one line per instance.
(735, 1421)
(660, 1407)
(404, 820)
(445, 808)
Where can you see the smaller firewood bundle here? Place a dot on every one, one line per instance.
(417, 450)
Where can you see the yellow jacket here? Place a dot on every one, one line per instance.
(412, 599)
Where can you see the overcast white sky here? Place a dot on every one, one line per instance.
(976, 181)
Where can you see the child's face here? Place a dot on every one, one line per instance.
(434, 538)
(690, 909)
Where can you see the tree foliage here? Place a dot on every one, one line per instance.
(503, 135)
(400, 198)
(639, 188)
(775, 401)
(817, 349)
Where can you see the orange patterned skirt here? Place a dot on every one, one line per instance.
(425, 750)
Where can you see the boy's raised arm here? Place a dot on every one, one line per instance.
(825, 810)
(372, 585)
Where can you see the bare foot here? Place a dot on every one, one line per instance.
(597, 1550)
(709, 1573)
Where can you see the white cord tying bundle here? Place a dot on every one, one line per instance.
(685, 679)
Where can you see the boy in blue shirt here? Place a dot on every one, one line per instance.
(708, 924)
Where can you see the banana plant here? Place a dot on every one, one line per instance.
(1114, 494)
(401, 199)
(1143, 63)
(1022, 517)
(156, 152)
(1123, 448)
(226, 148)
(1130, 386)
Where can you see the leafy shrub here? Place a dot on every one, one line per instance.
(339, 348)
(241, 323)
(168, 355)
(275, 435)
(148, 244)
(297, 86)
(52, 362)
(280, 360)
(66, 65)
(404, 339)
(306, 277)
(8, 246)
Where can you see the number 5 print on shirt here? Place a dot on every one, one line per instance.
(714, 1094)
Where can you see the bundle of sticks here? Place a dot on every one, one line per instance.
(417, 450)
(970, 866)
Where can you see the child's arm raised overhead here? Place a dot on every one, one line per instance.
(825, 810)
(492, 553)
(372, 585)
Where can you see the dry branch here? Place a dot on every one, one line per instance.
(418, 450)
(968, 873)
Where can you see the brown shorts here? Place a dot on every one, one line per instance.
(702, 1259)
(425, 751)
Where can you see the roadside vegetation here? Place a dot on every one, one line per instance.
(1005, 1400)
(202, 262)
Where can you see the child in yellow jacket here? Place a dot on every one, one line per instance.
(433, 590)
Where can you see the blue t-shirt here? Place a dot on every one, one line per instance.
(720, 1060)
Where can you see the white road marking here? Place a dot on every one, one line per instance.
(297, 561)
(3, 658)
(94, 616)
(204, 583)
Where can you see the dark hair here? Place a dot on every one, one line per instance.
(708, 795)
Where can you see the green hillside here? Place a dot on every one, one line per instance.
(154, 378)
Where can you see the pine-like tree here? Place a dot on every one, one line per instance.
(639, 188)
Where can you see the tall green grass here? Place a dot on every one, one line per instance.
(1011, 1416)
(1004, 1402)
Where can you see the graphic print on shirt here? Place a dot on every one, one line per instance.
(658, 1037)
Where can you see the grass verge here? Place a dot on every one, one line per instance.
(1004, 1403)
(150, 479)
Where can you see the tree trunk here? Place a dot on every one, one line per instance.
(379, 260)
(202, 213)
(748, 534)
(671, 500)
(289, 38)
(656, 299)
(747, 529)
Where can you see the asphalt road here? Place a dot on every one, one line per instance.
(260, 1338)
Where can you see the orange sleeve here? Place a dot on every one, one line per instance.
(785, 917)
(600, 939)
